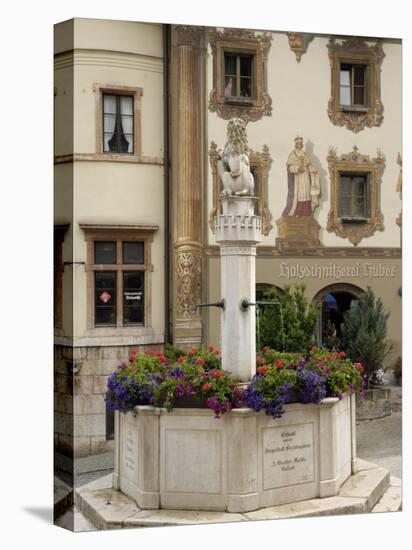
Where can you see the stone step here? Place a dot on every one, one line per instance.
(371, 489)
(391, 500)
(368, 484)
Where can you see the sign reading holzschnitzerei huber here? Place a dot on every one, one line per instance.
(288, 457)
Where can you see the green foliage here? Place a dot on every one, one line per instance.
(278, 358)
(172, 353)
(329, 338)
(364, 332)
(299, 320)
(341, 375)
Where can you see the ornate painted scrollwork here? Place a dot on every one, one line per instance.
(356, 50)
(250, 42)
(355, 162)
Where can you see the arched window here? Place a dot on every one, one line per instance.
(336, 300)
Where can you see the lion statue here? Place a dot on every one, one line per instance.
(233, 166)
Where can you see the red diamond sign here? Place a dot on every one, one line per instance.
(105, 297)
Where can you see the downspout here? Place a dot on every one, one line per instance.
(168, 279)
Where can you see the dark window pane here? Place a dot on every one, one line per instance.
(359, 95)
(345, 185)
(246, 87)
(359, 207)
(246, 65)
(133, 253)
(133, 316)
(133, 297)
(359, 75)
(105, 280)
(359, 183)
(345, 206)
(230, 64)
(105, 298)
(104, 252)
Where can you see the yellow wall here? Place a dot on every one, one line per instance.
(108, 53)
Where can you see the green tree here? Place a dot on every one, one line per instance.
(299, 320)
(364, 332)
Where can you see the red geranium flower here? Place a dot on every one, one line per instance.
(206, 387)
(359, 367)
(261, 370)
(279, 364)
(200, 361)
(217, 374)
(342, 354)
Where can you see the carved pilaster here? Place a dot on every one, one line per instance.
(189, 280)
(188, 53)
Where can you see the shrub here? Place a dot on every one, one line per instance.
(364, 333)
(299, 320)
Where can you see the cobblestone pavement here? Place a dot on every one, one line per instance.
(380, 441)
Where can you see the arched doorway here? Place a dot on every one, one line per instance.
(336, 300)
(261, 288)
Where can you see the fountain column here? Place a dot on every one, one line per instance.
(238, 231)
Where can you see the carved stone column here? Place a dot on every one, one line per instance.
(188, 58)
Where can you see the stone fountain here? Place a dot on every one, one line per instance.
(188, 460)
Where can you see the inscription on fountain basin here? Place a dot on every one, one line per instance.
(129, 457)
(288, 455)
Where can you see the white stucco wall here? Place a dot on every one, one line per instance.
(300, 93)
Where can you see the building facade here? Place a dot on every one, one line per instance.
(141, 114)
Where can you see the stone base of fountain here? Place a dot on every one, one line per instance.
(188, 460)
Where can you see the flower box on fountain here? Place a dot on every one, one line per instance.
(286, 436)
